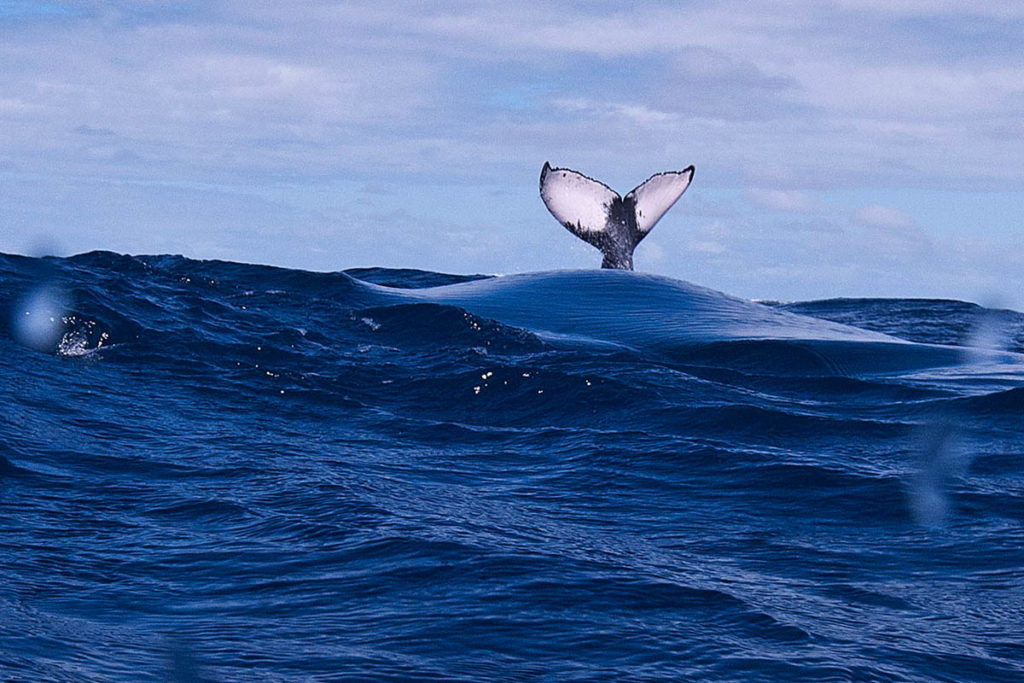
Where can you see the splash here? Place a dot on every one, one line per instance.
(81, 337)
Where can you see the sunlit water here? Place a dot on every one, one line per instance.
(218, 471)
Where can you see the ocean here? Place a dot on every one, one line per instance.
(215, 471)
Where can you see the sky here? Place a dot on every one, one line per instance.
(845, 148)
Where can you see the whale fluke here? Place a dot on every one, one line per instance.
(599, 216)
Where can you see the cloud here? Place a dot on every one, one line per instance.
(787, 201)
(335, 89)
(892, 231)
(994, 9)
(888, 217)
(89, 130)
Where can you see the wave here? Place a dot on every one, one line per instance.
(681, 322)
(1009, 402)
(166, 302)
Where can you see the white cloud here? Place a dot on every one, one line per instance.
(787, 201)
(892, 233)
(878, 216)
(992, 8)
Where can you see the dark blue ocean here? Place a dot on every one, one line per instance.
(215, 471)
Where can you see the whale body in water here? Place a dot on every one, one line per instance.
(599, 216)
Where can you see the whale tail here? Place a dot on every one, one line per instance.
(599, 216)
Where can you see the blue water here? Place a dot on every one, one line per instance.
(218, 471)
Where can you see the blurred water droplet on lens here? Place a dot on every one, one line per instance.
(942, 461)
(38, 319)
(943, 457)
(44, 245)
(990, 336)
